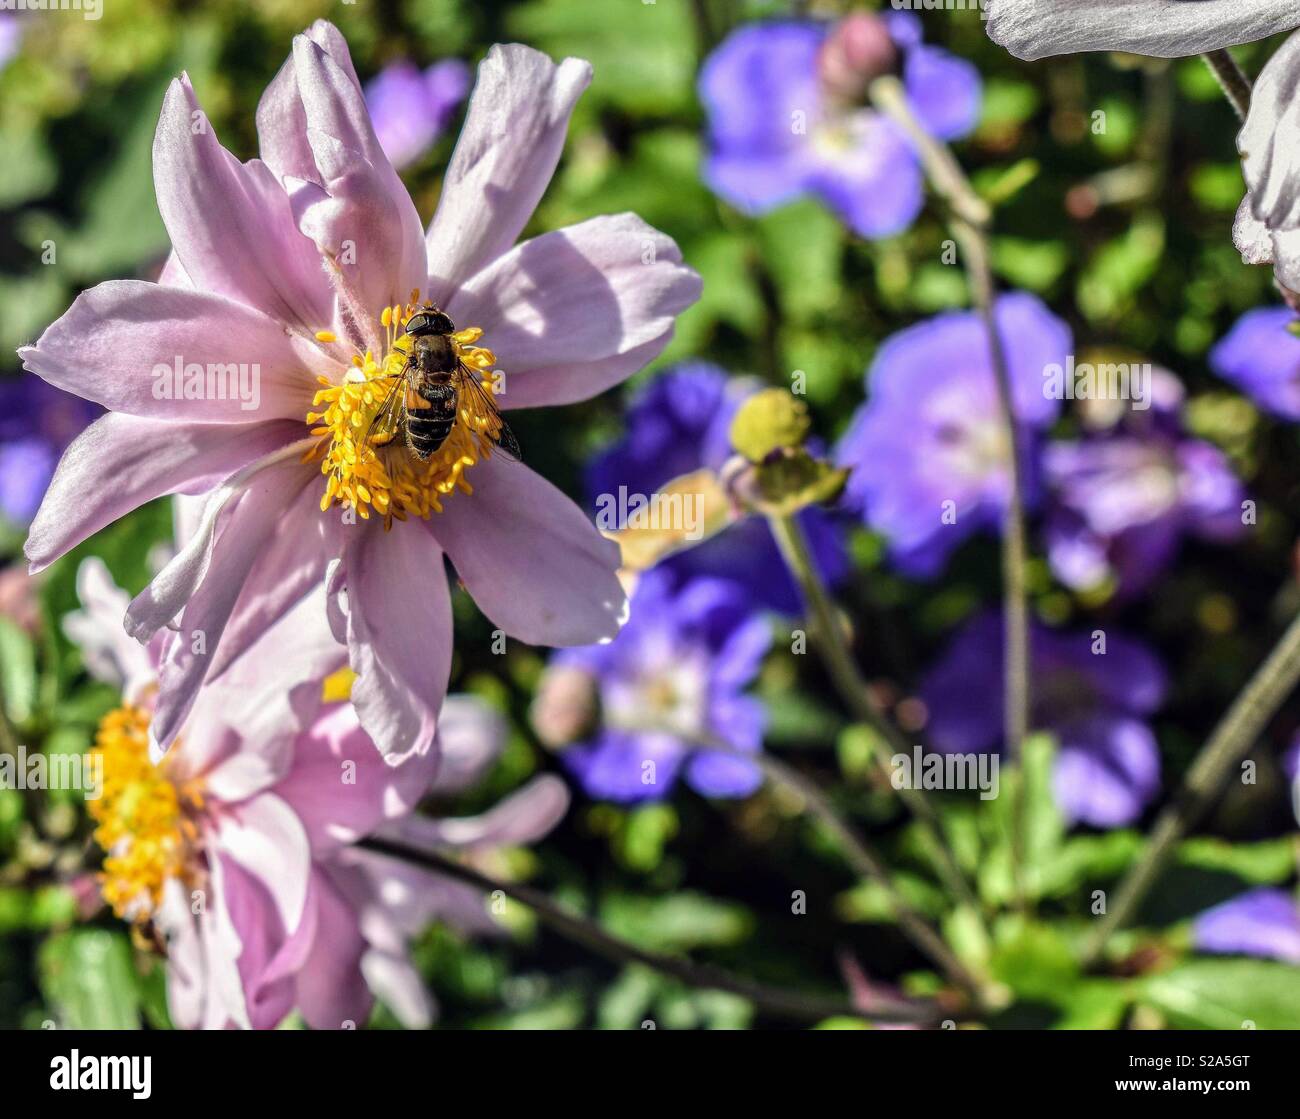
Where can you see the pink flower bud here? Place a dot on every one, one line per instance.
(857, 51)
(566, 706)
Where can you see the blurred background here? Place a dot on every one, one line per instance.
(1123, 231)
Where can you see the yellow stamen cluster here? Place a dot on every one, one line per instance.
(367, 470)
(143, 821)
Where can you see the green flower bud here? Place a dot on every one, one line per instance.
(771, 420)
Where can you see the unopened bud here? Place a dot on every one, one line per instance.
(566, 706)
(768, 422)
(857, 51)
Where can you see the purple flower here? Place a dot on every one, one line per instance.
(1262, 358)
(1261, 922)
(410, 108)
(1123, 498)
(678, 423)
(37, 423)
(1096, 703)
(11, 36)
(305, 265)
(781, 126)
(675, 676)
(927, 451)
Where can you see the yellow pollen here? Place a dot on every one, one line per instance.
(144, 822)
(337, 686)
(376, 472)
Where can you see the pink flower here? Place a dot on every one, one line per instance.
(303, 265)
(236, 848)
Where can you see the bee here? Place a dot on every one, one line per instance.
(425, 398)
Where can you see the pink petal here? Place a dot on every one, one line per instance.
(229, 893)
(265, 698)
(203, 583)
(513, 135)
(291, 568)
(281, 119)
(231, 226)
(186, 967)
(471, 736)
(266, 838)
(534, 563)
(317, 137)
(525, 816)
(109, 344)
(399, 634)
(332, 993)
(120, 462)
(248, 937)
(248, 770)
(571, 313)
(340, 786)
(110, 655)
(399, 987)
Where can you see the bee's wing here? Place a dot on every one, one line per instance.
(388, 419)
(504, 439)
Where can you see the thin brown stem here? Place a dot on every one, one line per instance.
(828, 636)
(778, 1002)
(969, 219)
(1232, 80)
(1232, 739)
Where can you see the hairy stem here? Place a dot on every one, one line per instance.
(1232, 80)
(969, 218)
(777, 1002)
(1232, 739)
(852, 688)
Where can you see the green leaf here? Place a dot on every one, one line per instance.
(645, 833)
(1122, 268)
(868, 901)
(1086, 859)
(802, 246)
(675, 922)
(1036, 265)
(1269, 862)
(563, 1011)
(88, 977)
(1032, 958)
(1044, 827)
(30, 169)
(1097, 1004)
(1227, 994)
(17, 672)
(642, 55)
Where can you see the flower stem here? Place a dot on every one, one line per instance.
(1232, 80)
(852, 688)
(969, 219)
(777, 1002)
(1236, 732)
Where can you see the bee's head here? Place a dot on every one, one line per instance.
(429, 321)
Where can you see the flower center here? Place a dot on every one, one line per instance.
(368, 465)
(144, 822)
